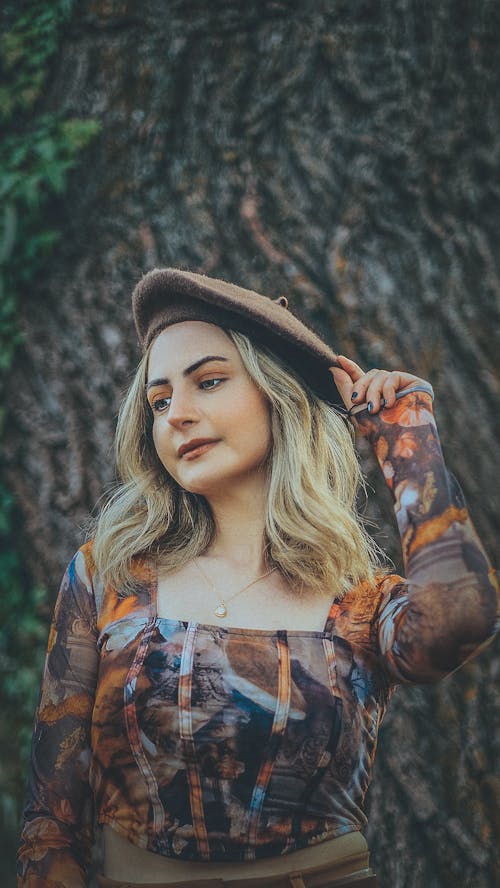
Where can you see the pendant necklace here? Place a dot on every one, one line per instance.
(221, 609)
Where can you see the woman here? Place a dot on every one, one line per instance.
(223, 652)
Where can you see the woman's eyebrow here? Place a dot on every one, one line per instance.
(188, 370)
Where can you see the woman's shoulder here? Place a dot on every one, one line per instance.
(141, 567)
(356, 615)
(82, 565)
(369, 592)
(86, 552)
(115, 597)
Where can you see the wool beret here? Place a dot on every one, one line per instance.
(167, 296)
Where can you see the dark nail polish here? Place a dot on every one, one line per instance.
(370, 406)
(354, 395)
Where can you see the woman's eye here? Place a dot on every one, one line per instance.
(211, 383)
(160, 404)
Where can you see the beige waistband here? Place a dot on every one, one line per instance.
(335, 862)
(360, 879)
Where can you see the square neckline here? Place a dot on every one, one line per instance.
(232, 630)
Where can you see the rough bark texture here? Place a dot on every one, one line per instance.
(346, 154)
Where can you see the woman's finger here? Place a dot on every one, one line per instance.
(345, 375)
(388, 392)
(385, 385)
(377, 388)
(353, 369)
(344, 385)
(358, 394)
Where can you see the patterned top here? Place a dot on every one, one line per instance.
(207, 743)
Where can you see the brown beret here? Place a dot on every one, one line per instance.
(168, 296)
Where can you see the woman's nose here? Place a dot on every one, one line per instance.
(181, 410)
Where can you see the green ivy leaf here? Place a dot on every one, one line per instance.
(36, 154)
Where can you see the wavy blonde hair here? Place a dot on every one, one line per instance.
(313, 531)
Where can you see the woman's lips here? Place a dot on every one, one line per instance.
(198, 451)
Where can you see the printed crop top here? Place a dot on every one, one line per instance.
(207, 743)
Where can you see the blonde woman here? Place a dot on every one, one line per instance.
(223, 650)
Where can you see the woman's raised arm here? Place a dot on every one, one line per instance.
(446, 609)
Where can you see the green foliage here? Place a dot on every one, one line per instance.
(23, 634)
(37, 153)
(25, 52)
(20, 607)
(33, 166)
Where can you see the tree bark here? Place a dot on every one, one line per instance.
(346, 154)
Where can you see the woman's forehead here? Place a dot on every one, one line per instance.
(185, 342)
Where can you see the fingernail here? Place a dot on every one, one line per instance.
(354, 395)
(370, 406)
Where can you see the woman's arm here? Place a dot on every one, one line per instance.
(446, 608)
(57, 830)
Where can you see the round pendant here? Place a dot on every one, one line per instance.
(220, 610)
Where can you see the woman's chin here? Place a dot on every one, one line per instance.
(216, 486)
(203, 486)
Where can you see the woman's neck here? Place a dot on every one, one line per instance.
(240, 527)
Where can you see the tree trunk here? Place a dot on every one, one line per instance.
(346, 154)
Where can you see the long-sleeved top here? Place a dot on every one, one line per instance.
(206, 743)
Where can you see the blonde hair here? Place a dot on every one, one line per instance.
(313, 531)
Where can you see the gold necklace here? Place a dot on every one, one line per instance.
(221, 609)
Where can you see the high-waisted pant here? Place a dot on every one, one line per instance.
(330, 870)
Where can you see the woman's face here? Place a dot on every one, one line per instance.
(201, 394)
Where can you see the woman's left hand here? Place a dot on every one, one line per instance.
(377, 387)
